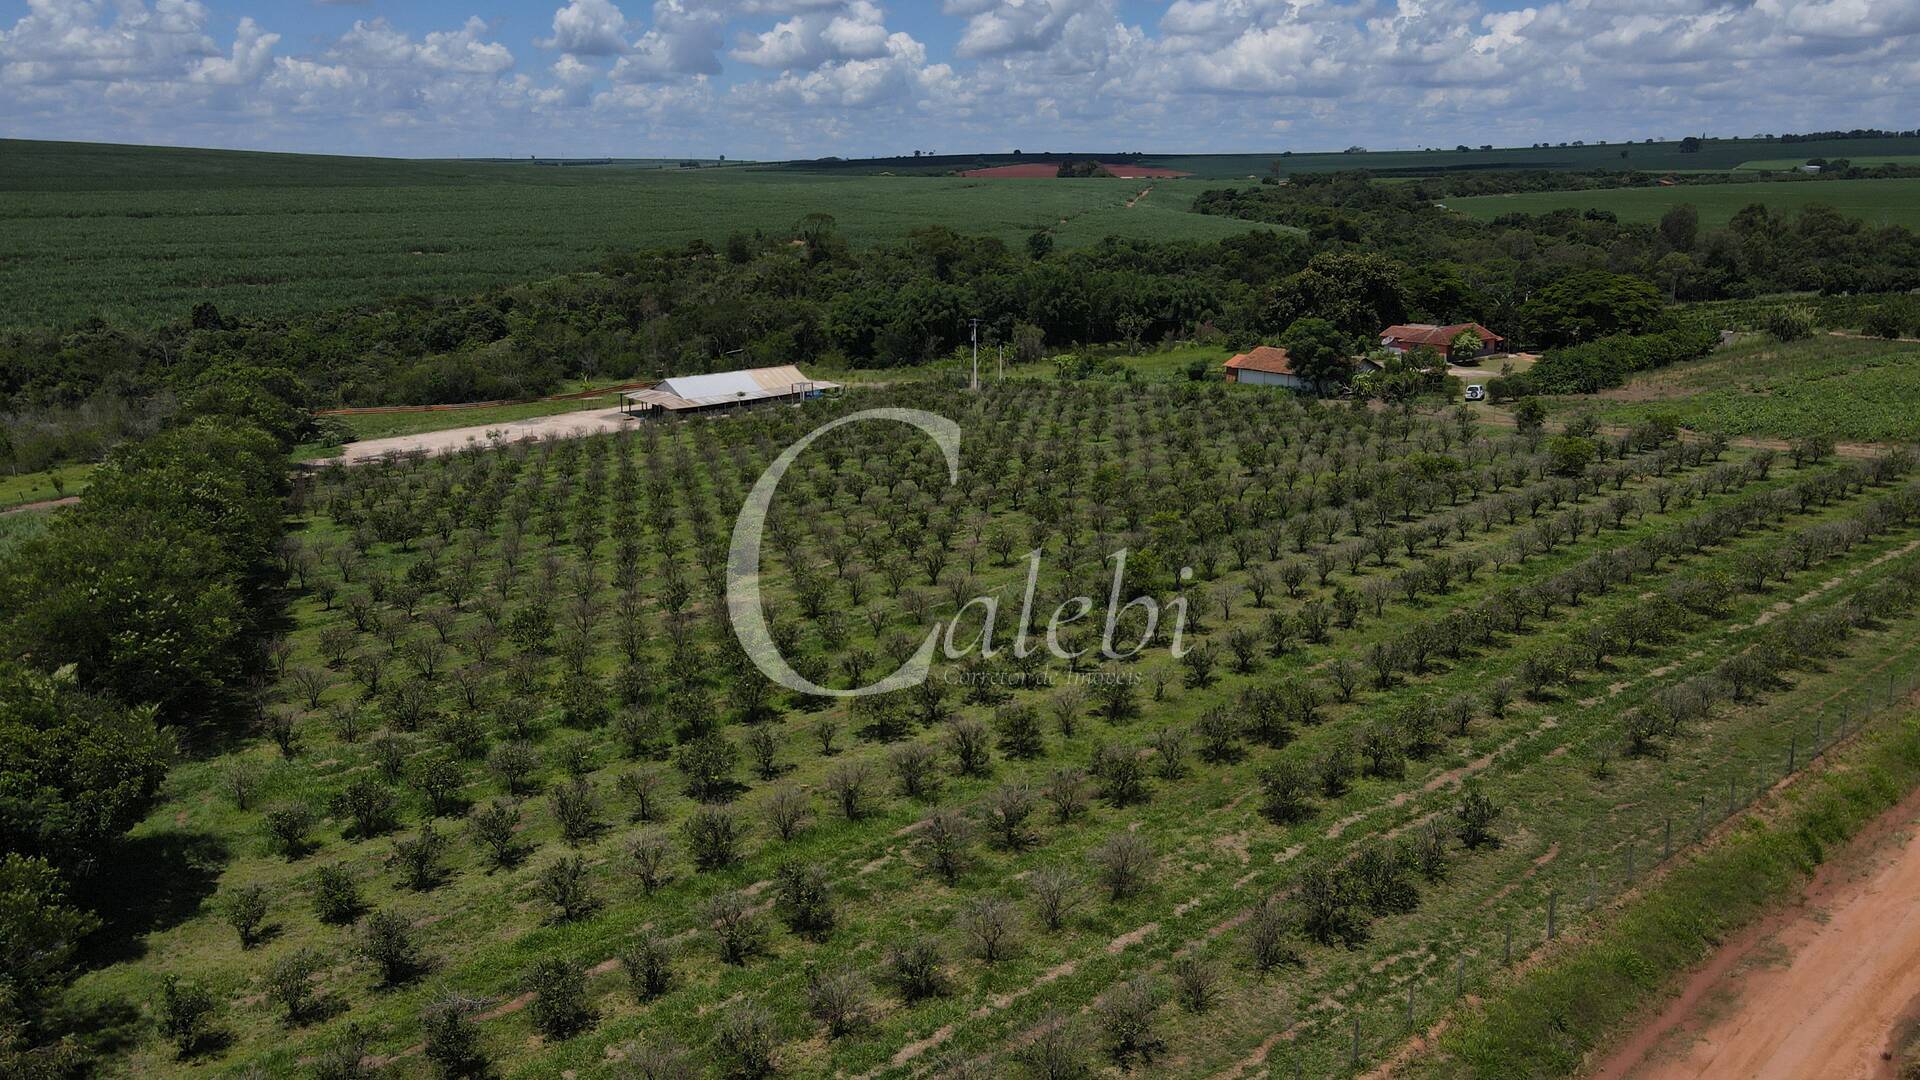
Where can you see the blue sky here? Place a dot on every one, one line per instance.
(787, 78)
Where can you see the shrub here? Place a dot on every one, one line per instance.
(387, 944)
(837, 997)
(1127, 1017)
(787, 809)
(915, 968)
(1123, 864)
(645, 790)
(1196, 980)
(418, 858)
(987, 923)
(708, 764)
(514, 764)
(290, 983)
(566, 886)
(452, 1040)
(559, 1007)
(745, 1043)
(946, 835)
(1790, 322)
(648, 962)
(712, 837)
(336, 898)
(495, 827)
(186, 1014)
(1269, 936)
(288, 826)
(576, 810)
(246, 912)
(738, 932)
(804, 896)
(659, 1058)
(1056, 891)
(370, 807)
(1055, 1051)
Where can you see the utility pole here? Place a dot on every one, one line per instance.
(1003, 364)
(975, 323)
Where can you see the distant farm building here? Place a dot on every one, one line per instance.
(725, 390)
(1409, 336)
(1265, 365)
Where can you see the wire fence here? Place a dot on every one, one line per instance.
(1363, 1034)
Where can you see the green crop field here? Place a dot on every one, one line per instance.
(512, 731)
(1864, 161)
(1879, 202)
(1712, 156)
(135, 234)
(1851, 389)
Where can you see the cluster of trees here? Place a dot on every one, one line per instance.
(1490, 269)
(138, 610)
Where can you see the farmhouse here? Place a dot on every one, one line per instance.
(1406, 337)
(724, 390)
(1265, 365)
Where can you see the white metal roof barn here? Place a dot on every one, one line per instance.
(686, 393)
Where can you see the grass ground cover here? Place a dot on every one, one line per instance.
(46, 484)
(1078, 468)
(92, 235)
(1850, 389)
(1878, 202)
(1867, 161)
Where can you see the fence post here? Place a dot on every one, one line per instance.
(1730, 796)
(1507, 959)
(1356, 1038)
(1793, 752)
(1553, 900)
(1666, 845)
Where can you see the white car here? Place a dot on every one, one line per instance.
(1476, 392)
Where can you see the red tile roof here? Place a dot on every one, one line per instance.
(1439, 337)
(1263, 358)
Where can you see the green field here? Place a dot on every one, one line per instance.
(419, 686)
(1879, 202)
(1712, 156)
(1865, 161)
(1852, 389)
(40, 486)
(133, 234)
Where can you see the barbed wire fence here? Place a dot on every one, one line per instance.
(1362, 1035)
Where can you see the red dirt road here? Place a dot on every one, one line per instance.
(1819, 989)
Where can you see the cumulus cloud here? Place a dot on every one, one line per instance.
(588, 28)
(825, 76)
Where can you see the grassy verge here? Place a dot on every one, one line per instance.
(1547, 1020)
(23, 488)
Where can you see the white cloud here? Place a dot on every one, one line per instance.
(588, 28)
(810, 39)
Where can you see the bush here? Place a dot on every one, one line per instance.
(290, 983)
(186, 1014)
(745, 1043)
(837, 997)
(370, 807)
(564, 883)
(1124, 864)
(804, 895)
(1791, 322)
(495, 827)
(1127, 1017)
(387, 944)
(288, 826)
(418, 858)
(559, 1007)
(713, 837)
(648, 962)
(1606, 363)
(453, 1039)
(738, 931)
(246, 912)
(336, 898)
(915, 968)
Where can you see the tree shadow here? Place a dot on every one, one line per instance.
(150, 883)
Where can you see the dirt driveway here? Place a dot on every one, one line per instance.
(585, 422)
(1822, 989)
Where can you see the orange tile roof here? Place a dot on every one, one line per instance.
(1263, 358)
(1437, 336)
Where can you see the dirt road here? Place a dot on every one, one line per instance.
(585, 422)
(1820, 989)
